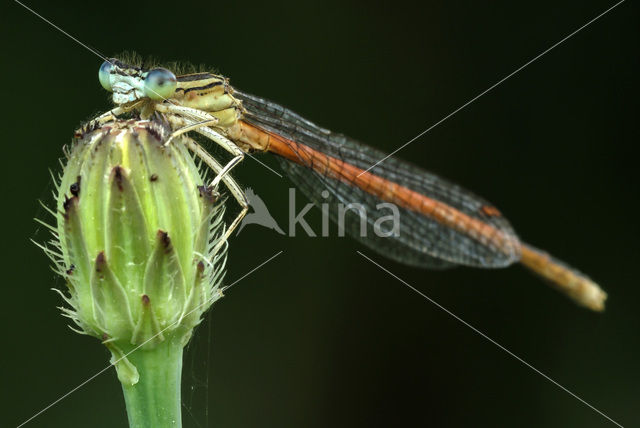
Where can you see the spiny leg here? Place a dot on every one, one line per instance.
(114, 113)
(222, 174)
(185, 114)
(103, 118)
(225, 143)
(199, 121)
(189, 114)
(109, 115)
(192, 127)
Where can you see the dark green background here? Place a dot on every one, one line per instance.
(321, 337)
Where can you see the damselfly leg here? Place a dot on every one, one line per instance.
(225, 177)
(184, 124)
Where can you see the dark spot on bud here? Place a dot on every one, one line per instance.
(155, 133)
(200, 268)
(154, 177)
(164, 240)
(209, 194)
(71, 269)
(75, 187)
(97, 145)
(159, 128)
(68, 204)
(101, 261)
(146, 300)
(118, 176)
(105, 337)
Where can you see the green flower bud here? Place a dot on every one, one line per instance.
(138, 240)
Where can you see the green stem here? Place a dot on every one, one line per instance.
(155, 400)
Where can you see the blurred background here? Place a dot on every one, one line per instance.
(319, 336)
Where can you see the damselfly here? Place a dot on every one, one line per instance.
(441, 224)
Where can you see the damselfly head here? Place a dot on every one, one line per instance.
(129, 83)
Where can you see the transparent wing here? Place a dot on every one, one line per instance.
(421, 240)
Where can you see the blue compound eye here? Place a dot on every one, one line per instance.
(104, 74)
(159, 84)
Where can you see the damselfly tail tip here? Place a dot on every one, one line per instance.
(591, 296)
(577, 286)
(583, 291)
